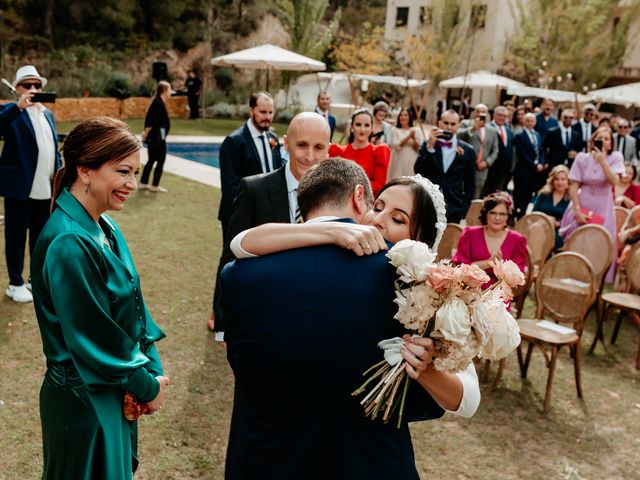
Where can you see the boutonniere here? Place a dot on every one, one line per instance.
(459, 150)
(273, 142)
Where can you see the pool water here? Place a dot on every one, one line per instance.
(206, 153)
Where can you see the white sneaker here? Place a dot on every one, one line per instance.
(19, 294)
(143, 186)
(158, 189)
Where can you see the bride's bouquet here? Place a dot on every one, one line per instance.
(447, 304)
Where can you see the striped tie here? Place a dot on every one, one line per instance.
(298, 218)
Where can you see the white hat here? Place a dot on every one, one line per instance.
(589, 106)
(26, 72)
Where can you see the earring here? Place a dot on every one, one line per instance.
(86, 190)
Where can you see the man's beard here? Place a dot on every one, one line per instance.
(263, 126)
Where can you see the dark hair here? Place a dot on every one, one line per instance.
(492, 201)
(359, 111)
(91, 144)
(163, 86)
(519, 108)
(635, 170)
(331, 183)
(424, 217)
(320, 93)
(410, 117)
(253, 100)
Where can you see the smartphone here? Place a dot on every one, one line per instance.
(597, 143)
(483, 118)
(44, 97)
(445, 135)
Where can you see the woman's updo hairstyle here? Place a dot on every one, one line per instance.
(91, 144)
(359, 111)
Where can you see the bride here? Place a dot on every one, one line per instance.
(406, 208)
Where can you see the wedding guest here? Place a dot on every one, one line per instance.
(381, 130)
(493, 240)
(97, 334)
(405, 142)
(517, 125)
(373, 158)
(593, 176)
(553, 198)
(156, 129)
(628, 191)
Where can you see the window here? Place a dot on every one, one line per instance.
(478, 16)
(402, 16)
(426, 15)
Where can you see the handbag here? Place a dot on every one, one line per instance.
(592, 217)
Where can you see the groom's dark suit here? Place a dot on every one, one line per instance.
(301, 327)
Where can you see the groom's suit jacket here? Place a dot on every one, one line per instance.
(301, 328)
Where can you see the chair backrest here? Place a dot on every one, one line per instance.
(595, 243)
(449, 242)
(621, 217)
(633, 269)
(633, 218)
(541, 237)
(472, 219)
(565, 288)
(520, 293)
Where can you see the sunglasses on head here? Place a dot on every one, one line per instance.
(30, 85)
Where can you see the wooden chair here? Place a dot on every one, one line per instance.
(449, 242)
(626, 302)
(595, 243)
(564, 289)
(621, 217)
(472, 219)
(541, 238)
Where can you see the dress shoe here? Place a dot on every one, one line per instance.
(158, 188)
(143, 186)
(19, 294)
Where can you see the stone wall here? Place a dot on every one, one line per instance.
(68, 109)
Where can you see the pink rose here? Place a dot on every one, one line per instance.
(508, 272)
(471, 275)
(441, 278)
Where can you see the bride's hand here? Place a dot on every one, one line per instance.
(360, 239)
(418, 354)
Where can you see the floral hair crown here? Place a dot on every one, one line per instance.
(438, 202)
(502, 197)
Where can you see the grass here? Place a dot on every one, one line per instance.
(175, 240)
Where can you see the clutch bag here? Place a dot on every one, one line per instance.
(592, 217)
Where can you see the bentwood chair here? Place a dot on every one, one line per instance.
(627, 302)
(621, 216)
(564, 289)
(472, 219)
(540, 232)
(449, 242)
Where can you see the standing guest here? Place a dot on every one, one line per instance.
(97, 334)
(625, 143)
(517, 125)
(373, 158)
(585, 126)
(553, 198)
(442, 106)
(405, 142)
(465, 108)
(381, 131)
(604, 122)
(29, 159)
(249, 150)
(635, 133)
(323, 104)
(156, 129)
(528, 146)
(450, 163)
(511, 109)
(500, 172)
(628, 191)
(545, 119)
(562, 143)
(194, 89)
(593, 176)
(493, 240)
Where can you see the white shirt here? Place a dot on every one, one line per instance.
(41, 187)
(564, 131)
(255, 133)
(448, 153)
(292, 192)
(587, 128)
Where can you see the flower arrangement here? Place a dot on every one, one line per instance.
(445, 303)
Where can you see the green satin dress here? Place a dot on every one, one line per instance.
(98, 339)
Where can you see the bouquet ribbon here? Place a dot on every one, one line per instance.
(392, 348)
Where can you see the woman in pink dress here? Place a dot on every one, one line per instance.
(493, 240)
(593, 177)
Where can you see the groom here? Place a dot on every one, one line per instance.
(302, 326)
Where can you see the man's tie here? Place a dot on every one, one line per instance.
(503, 137)
(298, 215)
(481, 149)
(267, 168)
(445, 144)
(567, 139)
(621, 144)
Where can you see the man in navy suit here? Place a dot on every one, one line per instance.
(249, 150)
(528, 145)
(29, 160)
(302, 326)
(545, 119)
(585, 126)
(449, 163)
(500, 172)
(323, 103)
(562, 143)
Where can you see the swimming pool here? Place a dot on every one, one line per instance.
(206, 153)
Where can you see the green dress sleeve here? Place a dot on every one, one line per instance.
(104, 351)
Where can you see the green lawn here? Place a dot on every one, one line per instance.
(175, 240)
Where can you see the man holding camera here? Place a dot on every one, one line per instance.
(28, 162)
(484, 141)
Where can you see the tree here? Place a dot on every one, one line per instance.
(363, 53)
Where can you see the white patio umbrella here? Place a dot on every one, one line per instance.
(268, 56)
(627, 95)
(555, 95)
(479, 79)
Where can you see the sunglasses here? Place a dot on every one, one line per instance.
(30, 85)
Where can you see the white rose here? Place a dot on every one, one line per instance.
(506, 334)
(414, 260)
(453, 322)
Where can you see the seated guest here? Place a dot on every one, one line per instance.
(493, 240)
(628, 191)
(553, 199)
(628, 236)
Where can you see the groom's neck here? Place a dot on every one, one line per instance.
(332, 212)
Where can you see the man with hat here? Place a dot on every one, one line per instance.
(585, 126)
(28, 162)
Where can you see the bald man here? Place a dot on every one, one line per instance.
(272, 197)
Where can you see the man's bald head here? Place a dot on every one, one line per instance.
(308, 120)
(307, 141)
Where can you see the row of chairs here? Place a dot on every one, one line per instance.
(568, 284)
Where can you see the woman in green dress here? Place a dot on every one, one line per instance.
(97, 335)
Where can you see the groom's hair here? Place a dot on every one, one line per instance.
(331, 184)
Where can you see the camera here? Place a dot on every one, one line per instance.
(483, 118)
(597, 143)
(44, 97)
(445, 135)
